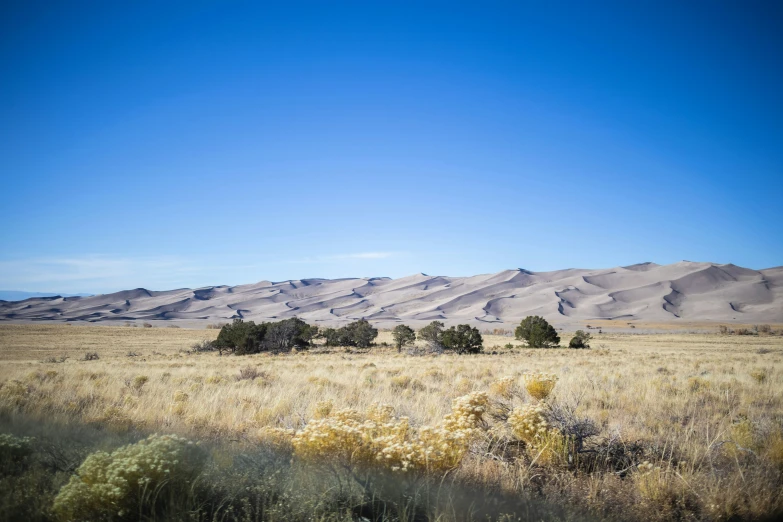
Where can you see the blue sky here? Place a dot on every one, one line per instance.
(169, 144)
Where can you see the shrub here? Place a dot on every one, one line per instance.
(462, 339)
(537, 332)
(403, 336)
(581, 339)
(138, 382)
(248, 373)
(539, 385)
(287, 334)
(13, 452)
(202, 346)
(246, 337)
(378, 440)
(504, 387)
(56, 360)
(129, 480)
(91, 356)
(240, 336)
(331, 336)
(528, 423)
(358, 333)
(432, 334)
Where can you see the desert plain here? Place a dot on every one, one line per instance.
(684, 424)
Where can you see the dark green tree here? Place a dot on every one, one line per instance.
(358, 333)
(253, 341)
(403, 336)
(285, 335)
(310, 333)
(462, 339)
(581, 339)
(537, 332)
(241, 337)
(331, 336)
(432, 334)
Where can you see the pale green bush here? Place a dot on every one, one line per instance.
(13, 450)
(112, 485)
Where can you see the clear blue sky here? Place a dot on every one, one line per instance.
(169, 144)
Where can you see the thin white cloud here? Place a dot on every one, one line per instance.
(90, 273)
(106, 273)
(346, 257)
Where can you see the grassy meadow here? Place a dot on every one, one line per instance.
(667, 426)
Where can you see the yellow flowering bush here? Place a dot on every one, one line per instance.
(109, 485)
(539, 385)
(378, 440)
(528, 423)
(504, 387)
(322, 409)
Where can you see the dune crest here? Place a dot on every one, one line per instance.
(685, 291)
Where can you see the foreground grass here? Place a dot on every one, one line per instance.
(689, 426)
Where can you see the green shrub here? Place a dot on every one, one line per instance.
(358, 333)
(581, 339)
(246, 337)
(403, 336)
(537, 332)
(432, 334)
(13, 452)
(463, 339)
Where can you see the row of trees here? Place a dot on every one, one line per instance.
(461, 339)
(538, 333)
(246, 337)
(534, 330)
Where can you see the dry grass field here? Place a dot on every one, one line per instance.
(684, 426)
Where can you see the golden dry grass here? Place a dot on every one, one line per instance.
(706, 407)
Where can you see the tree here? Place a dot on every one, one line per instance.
(331, 336)
(240, 337)
(287, 334)
(462, 339)
(537, 332)
(253, 341)
(432, 334)
(245, 337)
(581, 339)
(231, 336)
(310, 333)
(358, 333)
(403, 335)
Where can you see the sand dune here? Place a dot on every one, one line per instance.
(648, 292)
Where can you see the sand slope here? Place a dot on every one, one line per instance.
(684, 291)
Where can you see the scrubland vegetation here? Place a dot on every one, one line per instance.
(639, 427)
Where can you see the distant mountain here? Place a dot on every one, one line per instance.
(685, 291)
(17, 295)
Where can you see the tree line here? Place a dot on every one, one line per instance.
(246, 337)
